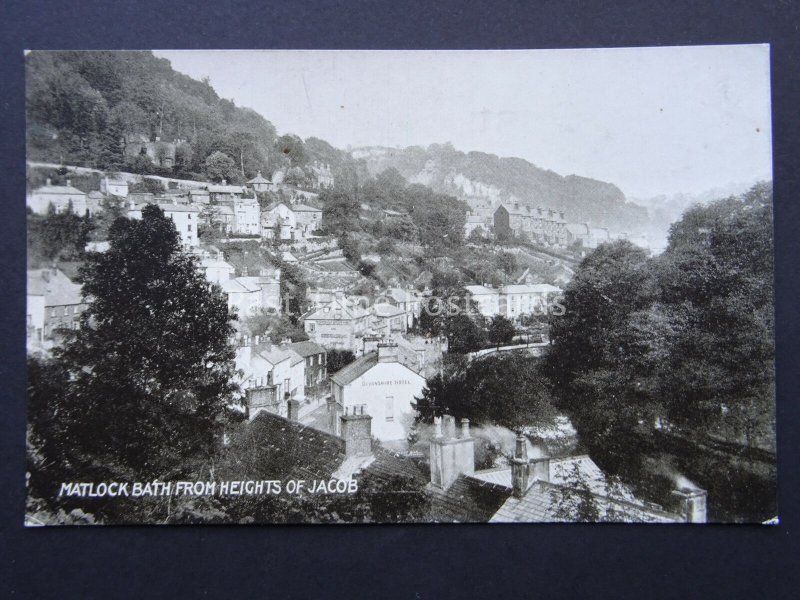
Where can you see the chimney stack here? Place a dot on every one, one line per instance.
(691, 504)
(519, 467)
(293, 410)
(69, 182)
(49, 182)
(540, 468)
(450, 456)
(356, 431)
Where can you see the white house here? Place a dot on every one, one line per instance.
(271, 374)
(383, 387)
(114, 187)
(60, 196)
(247, 216)
(185, 219)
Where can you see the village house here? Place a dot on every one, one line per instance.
(478, 222)
(408, 300)
(62, 198)
(54, 302)
(271, 375)
(260, 183)
(513, 301)
(278, 221)
(185, 217)
(541, 225)
(388, 319)
(381, 386)
(339, 324)
(315, 356)
(307, 219)
(577, 233)
(322, 176)
(199, 197)
(225, 193)
(215, 268)
(247, 216)
(250, 295)
(114, 187)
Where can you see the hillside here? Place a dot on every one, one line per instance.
(103, 109)
(482, 180)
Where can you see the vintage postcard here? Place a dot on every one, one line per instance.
(400, 286)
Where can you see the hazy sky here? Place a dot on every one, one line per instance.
(651, 120)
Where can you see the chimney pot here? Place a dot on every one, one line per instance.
(519, 468)
(437, 424)
(464, 428)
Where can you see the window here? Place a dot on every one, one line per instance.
(66, 310)
(312, 327)
(389, 408)
(189, 227)
(52, 312)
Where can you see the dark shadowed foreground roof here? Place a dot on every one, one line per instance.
(467, 500)
(272, 447)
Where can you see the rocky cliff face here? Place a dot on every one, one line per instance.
(484, 181)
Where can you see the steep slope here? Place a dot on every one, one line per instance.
(483, 180)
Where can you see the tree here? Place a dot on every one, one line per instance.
(339, 359)
(219, 166)
(340, 213)
(463, 334)
(501, 330)
(151, 366)
(504, 389)
(277, 327)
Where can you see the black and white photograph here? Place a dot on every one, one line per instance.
(383, 286)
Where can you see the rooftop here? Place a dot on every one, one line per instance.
(307, 348)
(56, 287)
(467, 500)
(355, 369)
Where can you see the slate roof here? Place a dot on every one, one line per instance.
(304, 208)
(57, 288)
(307, 348)
(467, 500)
(226, 189)
(238, 285)
(541, 501)
(481, 290)
(272, 447)
(259, 179)
(60, 190)
(355, 369)
(178, 208)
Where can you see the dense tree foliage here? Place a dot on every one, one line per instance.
(680, 346)
(82, 107)
(141, 389)
(505, 389)
(339, 359)
(500, 331)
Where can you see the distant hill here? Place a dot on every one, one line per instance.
(483, 180)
